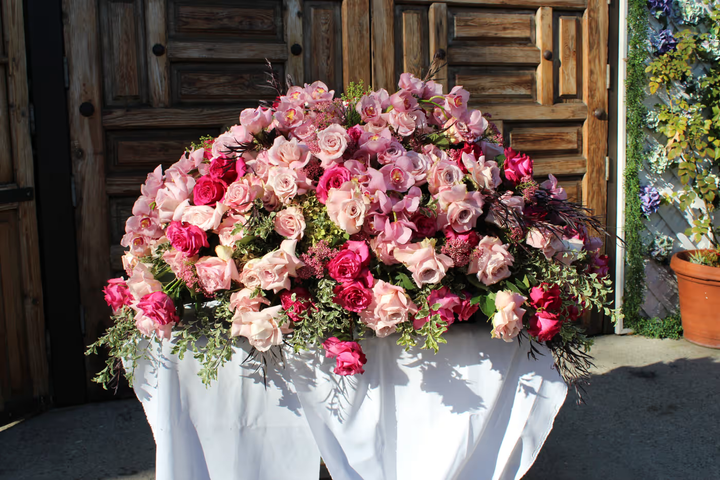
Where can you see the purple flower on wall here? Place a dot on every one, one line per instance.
(660, 7)
(650, 198)
(664, 42)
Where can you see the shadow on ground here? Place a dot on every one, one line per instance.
(652, 413)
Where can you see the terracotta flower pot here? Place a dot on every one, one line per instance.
(699, 289)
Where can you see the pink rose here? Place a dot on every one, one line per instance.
(491, 261)
(286, 183)
(250, 276)
(207, 191)
(333, 177)
(427, 266)
(290, 223)
(186, 238)
(421, 163)
(332, 143)
(243, 301)
(459, 208)
(346, 207)
(546, 297)
(402, 122)
(177, 188)
(158, 307)
(241, 194)
(517, 166)
(301, 304)
(288, 153)
(504, 216)
(544, 326)
(390, 306)
(260, 166)
(216, 274)
(553, 189)
(260, 328)
(443, 174)
(353, 296)
(232, 138)
(445, 301)
(507, 322)
(256, 120)
(276, 267)
(349, 356)
(147, 326)
(546, 240)
(117, 294)
(393, 152)
(225, 169)
(142, 282)
(393, 235)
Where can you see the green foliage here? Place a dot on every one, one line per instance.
(670, 327)
(318, 224)
(709, 258)
(353, 93)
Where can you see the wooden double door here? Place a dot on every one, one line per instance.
(146, 77)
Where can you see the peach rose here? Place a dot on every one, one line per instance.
(486, 173)
(459, 208)
(227, 227)
(390, 306)
(260, 328)
(286, 183)
(241, 194)
(426, 265)
(243, 301)
(216, 274)
(347, 206)
(290, 223)
(507, 322)
(276, 268)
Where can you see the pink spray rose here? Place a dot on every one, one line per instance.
(517, 166)
(117, 294)
(349, 356)
(390, 306)
(353, 296)
(426, 265)
(333, 177)
(491, 261)
(207, 191)
(186, 238)
(290, 223)
(507, 322)
(544, 326)
(445, 302)
(216, 274)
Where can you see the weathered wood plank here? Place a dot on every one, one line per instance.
(86, 141)
(187, 50)
(560, 111)
(560, 4)
(226, 20)
(171, 117)
(560, 165)
(573, 188)
(356, 47)
(383, 45)
(547, 139)
(323, 43)
(484, 25)
(568, 56)
(18, 100)
(412, 42)
(518, 84)
(438, 21)
(544, 41)
(595, 39)
(7, 174)
(493, 55)
(294, 66)
(212, 83)
(158, 66)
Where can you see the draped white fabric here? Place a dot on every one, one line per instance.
(479, 409)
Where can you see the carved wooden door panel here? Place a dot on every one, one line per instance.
(23, 359)
(537, 66)
(147, 77)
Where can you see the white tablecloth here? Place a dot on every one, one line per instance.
(479, 409)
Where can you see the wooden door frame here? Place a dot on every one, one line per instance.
(56, 216)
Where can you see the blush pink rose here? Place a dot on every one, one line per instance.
(227, 227)
(390, 306)
(443, 174)
(232, 138)
(517, 166)
(204, 217)
(177, 188)
(333, 177)
(117, 294)
(142, 282)
(486, 173)
(250, 276)
(347, 206)
(332, 142)
(546, 240)
(256, 120)
(286, 183)
(290, 223)
(426, 265)
(288, 153)
(275, 268)
(491, 261)
(216, 274)
(507, 322)
(544, 326)
(243, 301)
(260, 328)
(241, 194)
(459, 208)
(186, 238)
(207, 191)
(158, 307)
(349, 356)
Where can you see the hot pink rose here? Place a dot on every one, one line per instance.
(349, 356)
(207, 191)
(427, 266)
(544, 326)
(159, 308)
(117, 294)
(347, 206)
(295, 308)
(349, 262)
(491, 261)
(466, 309)
(425, 227)
(216, 274)
(353, 296)
(517, 166)
(390, 306)
(445, 301)
(333, 177)
(225, 169)
(260, 328)
(186, 238)
(546, 297)
(290, 223)
(507, 322)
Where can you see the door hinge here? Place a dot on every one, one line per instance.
(607, 169)
(66, 73)
(73, 193)
(607, 76)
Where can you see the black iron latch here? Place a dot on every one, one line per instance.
(15, 195)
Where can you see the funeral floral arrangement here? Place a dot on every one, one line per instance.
(318, 221)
